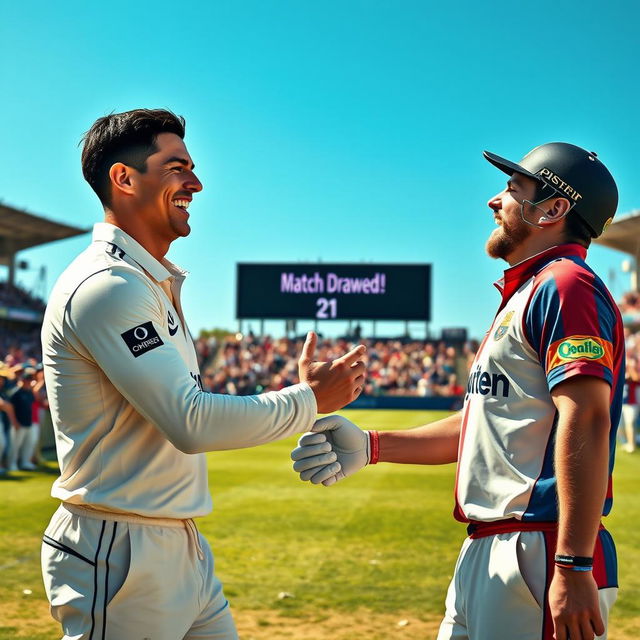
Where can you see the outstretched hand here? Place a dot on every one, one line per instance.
(335, 449)
(334, 383)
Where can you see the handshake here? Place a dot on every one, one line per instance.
(334, 449)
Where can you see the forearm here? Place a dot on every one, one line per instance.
(435, 443)
(581, 461)
(160, 382)
(236, 422)
(197, 421)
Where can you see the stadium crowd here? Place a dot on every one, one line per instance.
(630, 302)
(13, 296)
(248, 364)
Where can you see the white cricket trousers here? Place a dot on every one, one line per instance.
(122, 577)
(500, 583)
(21, 447)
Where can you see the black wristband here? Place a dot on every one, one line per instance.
(574, 561)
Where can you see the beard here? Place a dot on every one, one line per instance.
(506, 238)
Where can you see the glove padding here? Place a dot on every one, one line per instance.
(334, 449)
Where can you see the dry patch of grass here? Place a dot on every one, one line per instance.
(362, 623)
(27, 618)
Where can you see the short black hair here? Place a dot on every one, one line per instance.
(128, 137)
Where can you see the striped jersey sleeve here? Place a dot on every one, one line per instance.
(571, 322)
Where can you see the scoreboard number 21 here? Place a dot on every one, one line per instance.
(327, 308)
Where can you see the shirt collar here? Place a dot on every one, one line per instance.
(159, 271)
(519, 273)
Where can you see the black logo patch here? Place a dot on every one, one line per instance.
(141, 339)
(173, 325)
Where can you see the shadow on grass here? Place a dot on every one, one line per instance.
(47, 469)
(9, 477)
(50, 470)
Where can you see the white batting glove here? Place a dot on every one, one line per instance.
(334, 449)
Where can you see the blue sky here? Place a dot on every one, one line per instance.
(341, 131)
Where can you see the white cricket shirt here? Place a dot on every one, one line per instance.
(130, 417)
(556, 321)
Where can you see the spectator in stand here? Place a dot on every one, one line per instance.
(7, 421)
(40, 408)
(452, 388)
(630, 302)
(630, 403)
(18, 346)
(22, 399)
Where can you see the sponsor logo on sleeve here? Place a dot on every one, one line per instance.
(173, 325)
(141, 339)
(590, 348)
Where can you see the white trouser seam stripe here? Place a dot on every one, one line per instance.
(95, 582)
(106, 582)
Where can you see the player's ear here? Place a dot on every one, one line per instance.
(121, 177)
(559, 208)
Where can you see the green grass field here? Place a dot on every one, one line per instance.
(357, 557)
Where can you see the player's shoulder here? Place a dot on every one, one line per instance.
(101, 279)
(566, 275)
(102, 267)
(116, 285)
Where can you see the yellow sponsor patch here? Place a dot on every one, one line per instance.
(580, 348)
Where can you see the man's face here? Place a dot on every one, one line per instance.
(164, 192)
(512, 230)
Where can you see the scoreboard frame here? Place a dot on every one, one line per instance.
(333, 291)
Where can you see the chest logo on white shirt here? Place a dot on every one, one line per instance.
(501, 331)
(173, 325)
(485, 383)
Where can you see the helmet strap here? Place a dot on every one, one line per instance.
(536, 205)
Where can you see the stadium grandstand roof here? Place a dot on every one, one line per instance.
(20, 230)
(623, 234)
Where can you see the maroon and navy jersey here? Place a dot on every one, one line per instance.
(556, 320)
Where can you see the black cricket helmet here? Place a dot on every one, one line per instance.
(564, 170)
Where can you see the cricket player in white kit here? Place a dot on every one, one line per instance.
(535, 440)
(122, 558)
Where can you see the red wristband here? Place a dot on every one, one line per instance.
(374, 447)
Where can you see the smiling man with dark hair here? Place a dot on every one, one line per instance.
(122, 558)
